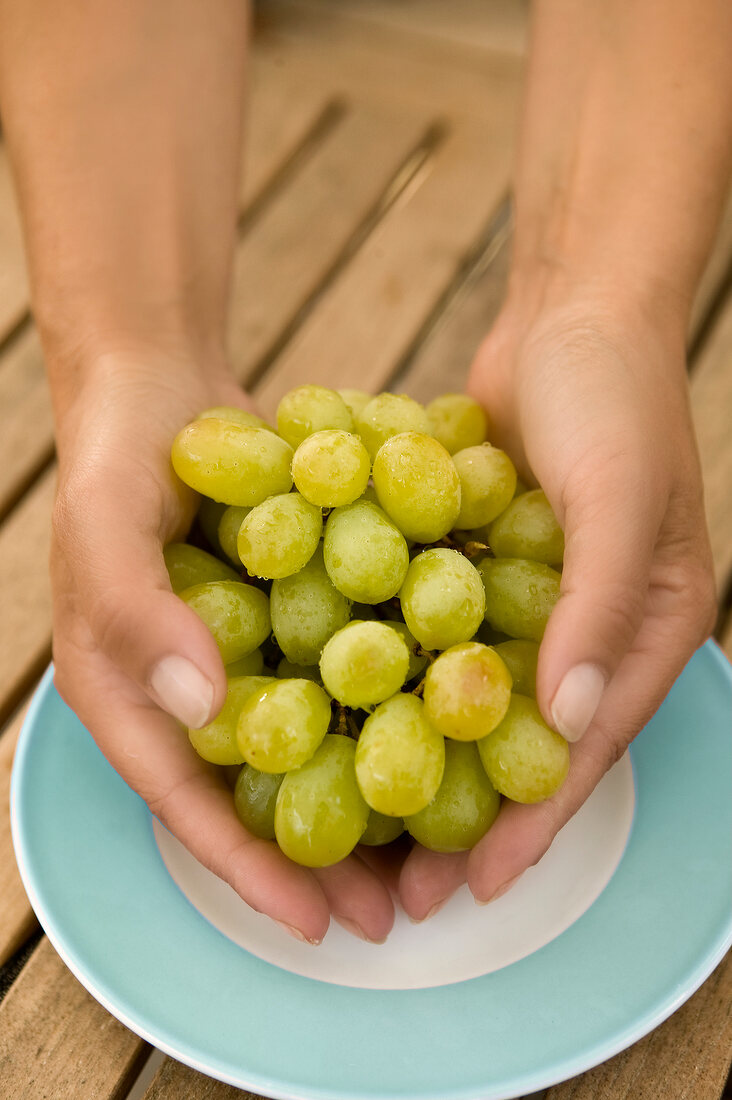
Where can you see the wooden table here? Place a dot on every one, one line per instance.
(374, 235)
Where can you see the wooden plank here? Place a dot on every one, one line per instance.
(25, 592)
(281, 116)
(718, 269)
(387, 66)
(17, 920)
(174, 1080)
(501, 25)
(711, 402)
(57, 1041)
(371, 316)
(289, 250)
(26, 441)
(13, 280)
(687, 1056)
(442, 363)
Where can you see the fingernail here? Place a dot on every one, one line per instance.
(183, 691)
(576, 700)
(296, 933)
(356, 930)
(500, 891)
(430, 912)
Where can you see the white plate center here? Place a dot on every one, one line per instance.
(463, 940)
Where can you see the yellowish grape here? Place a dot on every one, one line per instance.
(464, 808)
(519, 595)
(400, 757)
(216, 742)
(389, 414)
(528, 529)
(234, 415)
(523, 758)
(487, 484)
(467, 691)
(364, 552)
(442, 598)
(308, 409)
(230, 463)
(187, 565)
(320, 814)
(236, 614)
(364, 663)
(457, 421)
(417, 486)
(281, 726)
(278, 537)
(331, 468)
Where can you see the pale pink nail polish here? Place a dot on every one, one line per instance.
(576, 700)
(183, 690)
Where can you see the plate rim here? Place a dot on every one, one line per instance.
(560, 1070)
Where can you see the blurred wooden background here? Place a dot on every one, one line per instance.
(374, 238)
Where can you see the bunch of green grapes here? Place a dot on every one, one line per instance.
(378, 582)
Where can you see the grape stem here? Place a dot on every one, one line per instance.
(469, 549)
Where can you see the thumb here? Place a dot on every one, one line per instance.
(611, 528)
(123, 591)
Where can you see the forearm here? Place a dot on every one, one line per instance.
(124, 127)
(625, 149)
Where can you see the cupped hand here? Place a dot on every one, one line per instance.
(136, 664)
(592, 404)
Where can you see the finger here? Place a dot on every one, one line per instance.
(522, 834)
(429, 879)
(357, 898)
(114, 564)
(190, 797)
(611, 529)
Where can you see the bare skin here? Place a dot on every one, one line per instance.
(618, 190)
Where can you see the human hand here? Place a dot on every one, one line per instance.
(592, 404)
(131, 657)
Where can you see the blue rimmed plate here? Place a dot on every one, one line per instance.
(612, 932)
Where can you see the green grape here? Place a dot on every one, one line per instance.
(364, 663)
(357, 400)
(331, 468)
(523, 758)
(307, 609)
(320, 814)
(519, 595)
(217, 742)
(381, 830)
(187, 565)
(364, 552)
(251, 665)
(234, 415)
(487, 483)
(442, 598)
(230, 463)
(457, 421)
(488, 636)
(279, 536)
(521, 658)
(228, 531)
(209, 515)
(464, 808)
(466, 691)
(286, 670)
(400, 757)
(255, 798)
(309, 409)
(390, 414)
(281, 726)
(417, 486)
(236, 614)
(528, 529)
(417, 658)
